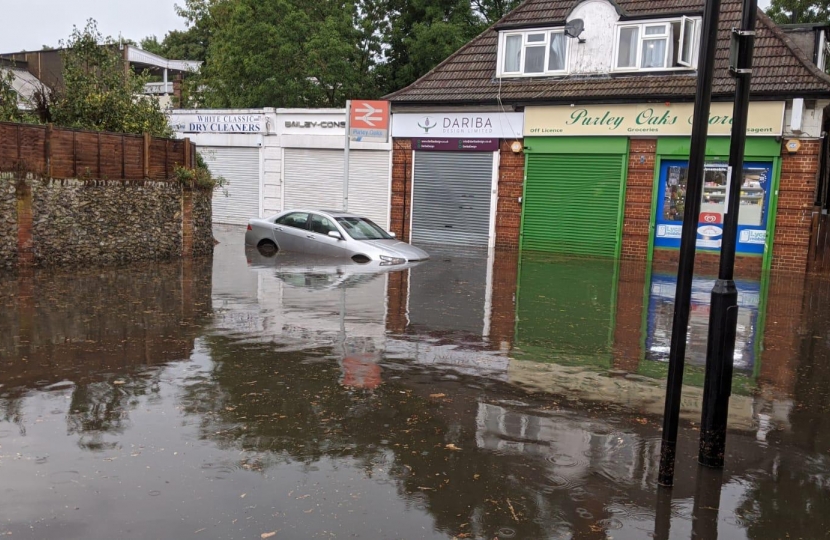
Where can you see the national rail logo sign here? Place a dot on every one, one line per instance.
(369, 120)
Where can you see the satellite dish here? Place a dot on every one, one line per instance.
(574, 28)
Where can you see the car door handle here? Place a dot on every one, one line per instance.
(310, 236)
(278, 229)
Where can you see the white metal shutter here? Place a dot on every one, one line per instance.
(451, 198)
(369, 185)
(314, 179)
(240, 167)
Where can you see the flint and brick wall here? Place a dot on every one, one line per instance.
(70, 197)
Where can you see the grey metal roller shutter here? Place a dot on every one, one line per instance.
(451, 198)
(240, 167)
(314, 179)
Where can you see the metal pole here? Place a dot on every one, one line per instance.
(723, 317)
(346, 156)
(685, 271)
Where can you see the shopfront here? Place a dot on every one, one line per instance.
(578, 167)
(455, 165)
(276, 159)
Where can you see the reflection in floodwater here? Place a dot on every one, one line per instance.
(467, 397)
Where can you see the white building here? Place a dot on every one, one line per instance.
(276, 159)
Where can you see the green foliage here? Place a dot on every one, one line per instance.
(99, 92)
(295, 53)
(799, 11)
(9, 111)
(200, 176)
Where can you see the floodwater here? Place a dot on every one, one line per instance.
(467, 397)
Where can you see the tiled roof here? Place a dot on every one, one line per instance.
(469, 75)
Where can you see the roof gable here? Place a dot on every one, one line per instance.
(469, 75)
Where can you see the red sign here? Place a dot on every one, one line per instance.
(711, 217)
(373, 115)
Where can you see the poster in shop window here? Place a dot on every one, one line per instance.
(753, 211)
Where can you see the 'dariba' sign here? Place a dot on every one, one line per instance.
(766, 118)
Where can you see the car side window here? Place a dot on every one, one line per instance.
(322, 225)
(298, 220)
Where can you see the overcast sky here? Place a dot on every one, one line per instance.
(30, 24)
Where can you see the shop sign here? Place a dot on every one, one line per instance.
(304, 123)
(217, 123)
(459, 125)
(455, 145)
(766, 118)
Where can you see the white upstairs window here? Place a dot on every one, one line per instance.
(656, 45)
(531, 53)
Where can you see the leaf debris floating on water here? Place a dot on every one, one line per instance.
(268, 534)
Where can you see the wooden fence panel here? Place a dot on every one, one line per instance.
(86, 154)
(158, 160)
(67, 153)
(111, 156)
(63, 152)
(133, 156)
(32, 148)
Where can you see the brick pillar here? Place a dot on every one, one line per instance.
(511, 187)
(401, 187)
(795, 205)
(187, 222)
(25, 221)
(628, 351)
(638, 189)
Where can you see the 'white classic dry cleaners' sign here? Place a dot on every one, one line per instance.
(218, 123)
(492, 125)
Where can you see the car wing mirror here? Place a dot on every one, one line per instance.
(335, 234)
(393, 235)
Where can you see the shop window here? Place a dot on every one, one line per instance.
(752, 214)
(668, 44)
(533, 53)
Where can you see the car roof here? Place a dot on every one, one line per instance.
(332, 213)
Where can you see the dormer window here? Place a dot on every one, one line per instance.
(529, 53)
(656, 45)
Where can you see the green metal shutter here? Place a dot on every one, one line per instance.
(572, 203)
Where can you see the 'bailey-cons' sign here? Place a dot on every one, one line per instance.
(766, 118)
(217, 123)
(493, 125)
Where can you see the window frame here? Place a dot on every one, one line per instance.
(642, 37)
(525, 33)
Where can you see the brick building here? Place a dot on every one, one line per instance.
(584, 108)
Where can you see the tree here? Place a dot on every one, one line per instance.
(286, 53)
(99, 92)
(9, 106)
(799, 11)
(190, 44)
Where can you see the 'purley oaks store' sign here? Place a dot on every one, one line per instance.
(766, 118)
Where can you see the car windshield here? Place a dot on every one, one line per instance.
(362, 229)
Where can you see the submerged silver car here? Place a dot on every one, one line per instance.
(331, 234)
